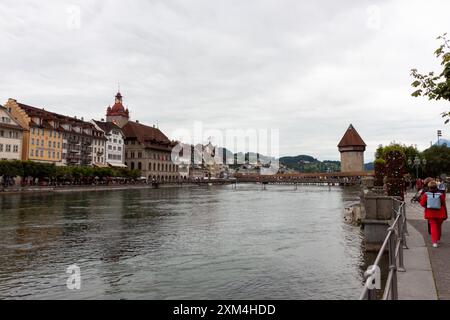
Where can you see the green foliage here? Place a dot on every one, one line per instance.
(39, 170)
(438, 160)
(432, 85)
(410, 152)
(305, 163)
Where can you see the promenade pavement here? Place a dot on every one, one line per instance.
(439, 257)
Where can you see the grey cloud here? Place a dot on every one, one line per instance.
(307, 68)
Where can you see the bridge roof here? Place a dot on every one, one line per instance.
(351, 138)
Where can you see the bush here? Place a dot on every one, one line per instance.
(30, 169)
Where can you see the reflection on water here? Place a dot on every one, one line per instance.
(189, 243)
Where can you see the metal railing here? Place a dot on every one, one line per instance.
(394, 243)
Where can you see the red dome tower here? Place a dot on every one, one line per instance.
(118, 114)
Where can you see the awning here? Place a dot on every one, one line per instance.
(117, 165)
(100, 165)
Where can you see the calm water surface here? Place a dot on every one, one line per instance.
(189, 243)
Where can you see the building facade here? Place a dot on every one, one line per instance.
(146, 147)
(11, 136)
(54, 138)
(352, 149)
(114, 151)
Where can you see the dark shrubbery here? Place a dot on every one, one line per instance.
(30, 171)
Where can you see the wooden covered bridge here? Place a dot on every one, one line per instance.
(333, 178)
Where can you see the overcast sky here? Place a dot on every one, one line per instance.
(307, 68)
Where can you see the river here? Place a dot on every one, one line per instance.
(182, 243)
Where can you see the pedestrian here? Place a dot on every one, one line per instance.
(435, 210)
(442, 187)
(419, 184)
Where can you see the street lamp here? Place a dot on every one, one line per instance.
(416, 163)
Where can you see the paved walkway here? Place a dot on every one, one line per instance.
(439, 257)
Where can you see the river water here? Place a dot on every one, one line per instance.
(182, 243)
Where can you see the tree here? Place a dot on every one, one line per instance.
(438, 160)
(410, 152)
(433, 86)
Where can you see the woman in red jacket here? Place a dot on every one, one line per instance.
(435, 210)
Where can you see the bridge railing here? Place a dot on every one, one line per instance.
(394, 243)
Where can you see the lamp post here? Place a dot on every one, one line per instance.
(416, 163)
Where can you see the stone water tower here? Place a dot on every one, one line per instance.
(352, 149)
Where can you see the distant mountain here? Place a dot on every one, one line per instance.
(306, 163)
(369, 166)
(300, 163)
(442, 142)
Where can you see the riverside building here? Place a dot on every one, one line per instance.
(11, 135)
(146, 147)
(54, 138)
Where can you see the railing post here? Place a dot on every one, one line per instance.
(393, 266)
(401, 234)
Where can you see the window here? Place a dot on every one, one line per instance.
(8, 148)
(1, 147)
(2, 133)
(139, 154)
(16, 148)
(119, 148)
(49, 144)
(32, 141)
(32, 152)
(54, 144)
(42, 153)
(53, 154)
(140, 166)
(42, 143)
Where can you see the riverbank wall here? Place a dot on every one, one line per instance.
(93, 188)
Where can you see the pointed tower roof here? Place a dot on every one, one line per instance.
(351, 138)
(118, 108)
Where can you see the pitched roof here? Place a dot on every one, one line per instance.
(351, 138)
(51, 116)
(107, 126)
(150, 136)
(14, 124)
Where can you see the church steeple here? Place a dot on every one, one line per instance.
(118, 97)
